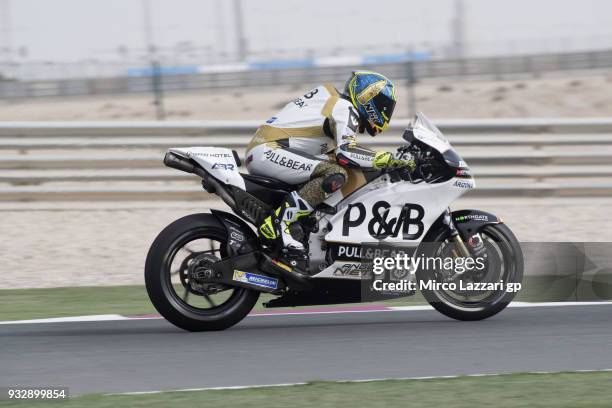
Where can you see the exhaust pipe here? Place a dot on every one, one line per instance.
(180, 163)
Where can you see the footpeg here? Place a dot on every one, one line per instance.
(293, 276)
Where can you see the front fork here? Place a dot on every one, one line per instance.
(454, 235)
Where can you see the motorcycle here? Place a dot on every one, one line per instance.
(206, 271)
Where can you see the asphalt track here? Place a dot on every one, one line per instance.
(144, 355)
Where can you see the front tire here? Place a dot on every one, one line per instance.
(162, 290)
(509, 258)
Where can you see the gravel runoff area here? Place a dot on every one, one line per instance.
(573, 94)
(80, 244)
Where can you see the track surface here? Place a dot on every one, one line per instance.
(141, 355)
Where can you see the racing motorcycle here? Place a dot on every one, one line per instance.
(206, 271)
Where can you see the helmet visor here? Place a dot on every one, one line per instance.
(385, 107)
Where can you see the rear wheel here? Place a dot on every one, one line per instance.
(504, 264)
(180, 254)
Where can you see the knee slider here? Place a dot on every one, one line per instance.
(333, 182)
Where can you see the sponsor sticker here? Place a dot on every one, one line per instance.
(351, 269)
(463, 184)
(281, 160)
(223, 166)
(237, 236)
(472, 217)
(463, 173)
(208, 154)
(254, 279)
(380, 225)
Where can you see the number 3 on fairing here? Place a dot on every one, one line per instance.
(379, 226)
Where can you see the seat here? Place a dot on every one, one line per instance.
(267, 189)
(268, 182)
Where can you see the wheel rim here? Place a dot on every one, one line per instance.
(189, 295)
(501, 266)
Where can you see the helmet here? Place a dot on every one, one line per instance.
(373, 95)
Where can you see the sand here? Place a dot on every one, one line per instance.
(584, 94)
(79, 244)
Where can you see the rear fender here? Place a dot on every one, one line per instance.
(241, 239)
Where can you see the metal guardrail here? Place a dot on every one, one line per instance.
(248, 127)
(195, 193)
(122, 161)
(495, 67)
(237, 142)
(21, 177)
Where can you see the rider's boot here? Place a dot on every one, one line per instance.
(276, 226)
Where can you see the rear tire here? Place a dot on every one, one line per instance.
(512, 260)
(162, 292)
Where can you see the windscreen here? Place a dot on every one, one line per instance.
(421, 120)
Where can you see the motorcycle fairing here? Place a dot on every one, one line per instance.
(357, 216)
(467, 222)
(218, 161)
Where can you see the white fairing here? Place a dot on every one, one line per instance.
(218, 161)
(421, 203)
(415, 207)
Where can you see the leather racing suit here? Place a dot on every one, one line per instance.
(309, 142)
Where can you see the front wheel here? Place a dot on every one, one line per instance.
(177, 256)
(504, 266)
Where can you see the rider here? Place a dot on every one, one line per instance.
(292, 146)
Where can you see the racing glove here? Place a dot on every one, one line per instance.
(384, 160)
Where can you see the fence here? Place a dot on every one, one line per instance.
(411, 70)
